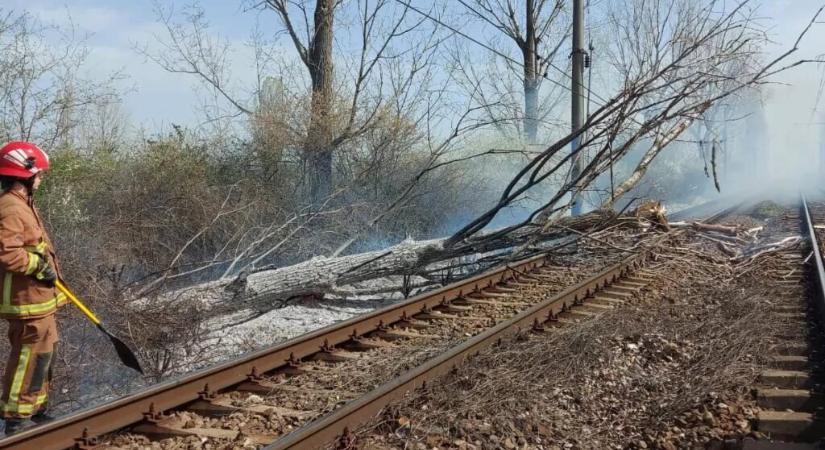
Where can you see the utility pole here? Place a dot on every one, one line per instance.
(531, 76)
(577, 111)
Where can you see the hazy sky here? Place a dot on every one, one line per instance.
(156, 98)
(794, 128)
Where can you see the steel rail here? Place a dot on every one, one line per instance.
(83, 427)
(820, 266)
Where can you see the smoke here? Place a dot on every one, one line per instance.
(794, 130)
(780, 144)
(770, 140)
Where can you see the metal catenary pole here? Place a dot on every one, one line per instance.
(578, 100)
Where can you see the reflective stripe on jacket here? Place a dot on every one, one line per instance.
(23, 242)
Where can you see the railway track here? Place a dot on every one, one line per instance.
(790, 391)
(307, 392)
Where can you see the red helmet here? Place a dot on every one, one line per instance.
(22, 160)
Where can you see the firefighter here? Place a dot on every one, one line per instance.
(28, 269)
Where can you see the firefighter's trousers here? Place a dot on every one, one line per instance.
(28, 371)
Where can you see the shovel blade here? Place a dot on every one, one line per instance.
(126, 355)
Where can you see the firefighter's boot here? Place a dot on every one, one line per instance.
(42, 417)
(17, 425)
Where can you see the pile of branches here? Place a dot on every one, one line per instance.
(742, 245)
(624, 380)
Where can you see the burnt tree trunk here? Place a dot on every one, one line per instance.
(659, 143)
(321, 275)
(319, 143)
(531, 76)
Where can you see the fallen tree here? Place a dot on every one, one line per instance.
(319, 276)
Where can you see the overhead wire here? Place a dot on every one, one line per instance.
(497, 52)
(588, 89)
(549, 63)
(601, 100)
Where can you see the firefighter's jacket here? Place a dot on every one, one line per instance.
(23, 244)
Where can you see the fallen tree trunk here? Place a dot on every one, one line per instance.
(322, 275)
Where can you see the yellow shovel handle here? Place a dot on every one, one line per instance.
(77, 302)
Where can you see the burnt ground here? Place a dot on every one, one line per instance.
(673, 369)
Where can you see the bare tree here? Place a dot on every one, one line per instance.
(42, 94)
(528, 26)
(316, 53)
(345, 103)
(668, 57)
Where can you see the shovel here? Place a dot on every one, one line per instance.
(123, 352)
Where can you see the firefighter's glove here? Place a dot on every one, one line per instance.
(44, 272)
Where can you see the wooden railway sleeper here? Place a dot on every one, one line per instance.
(153, 427)
(391, 334)
(208, 408)
(329, 353)
(449, 306)
(501, 289)
(172, 429)
(484, 293)
(526, 277)
(408, 322)
(519, 284)
(209, 404)
(469, 301)
(597, 307)
(219, 407)
(544, 276)
(630, 289)
(360, 343)
(266, 387)
(434, 314)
